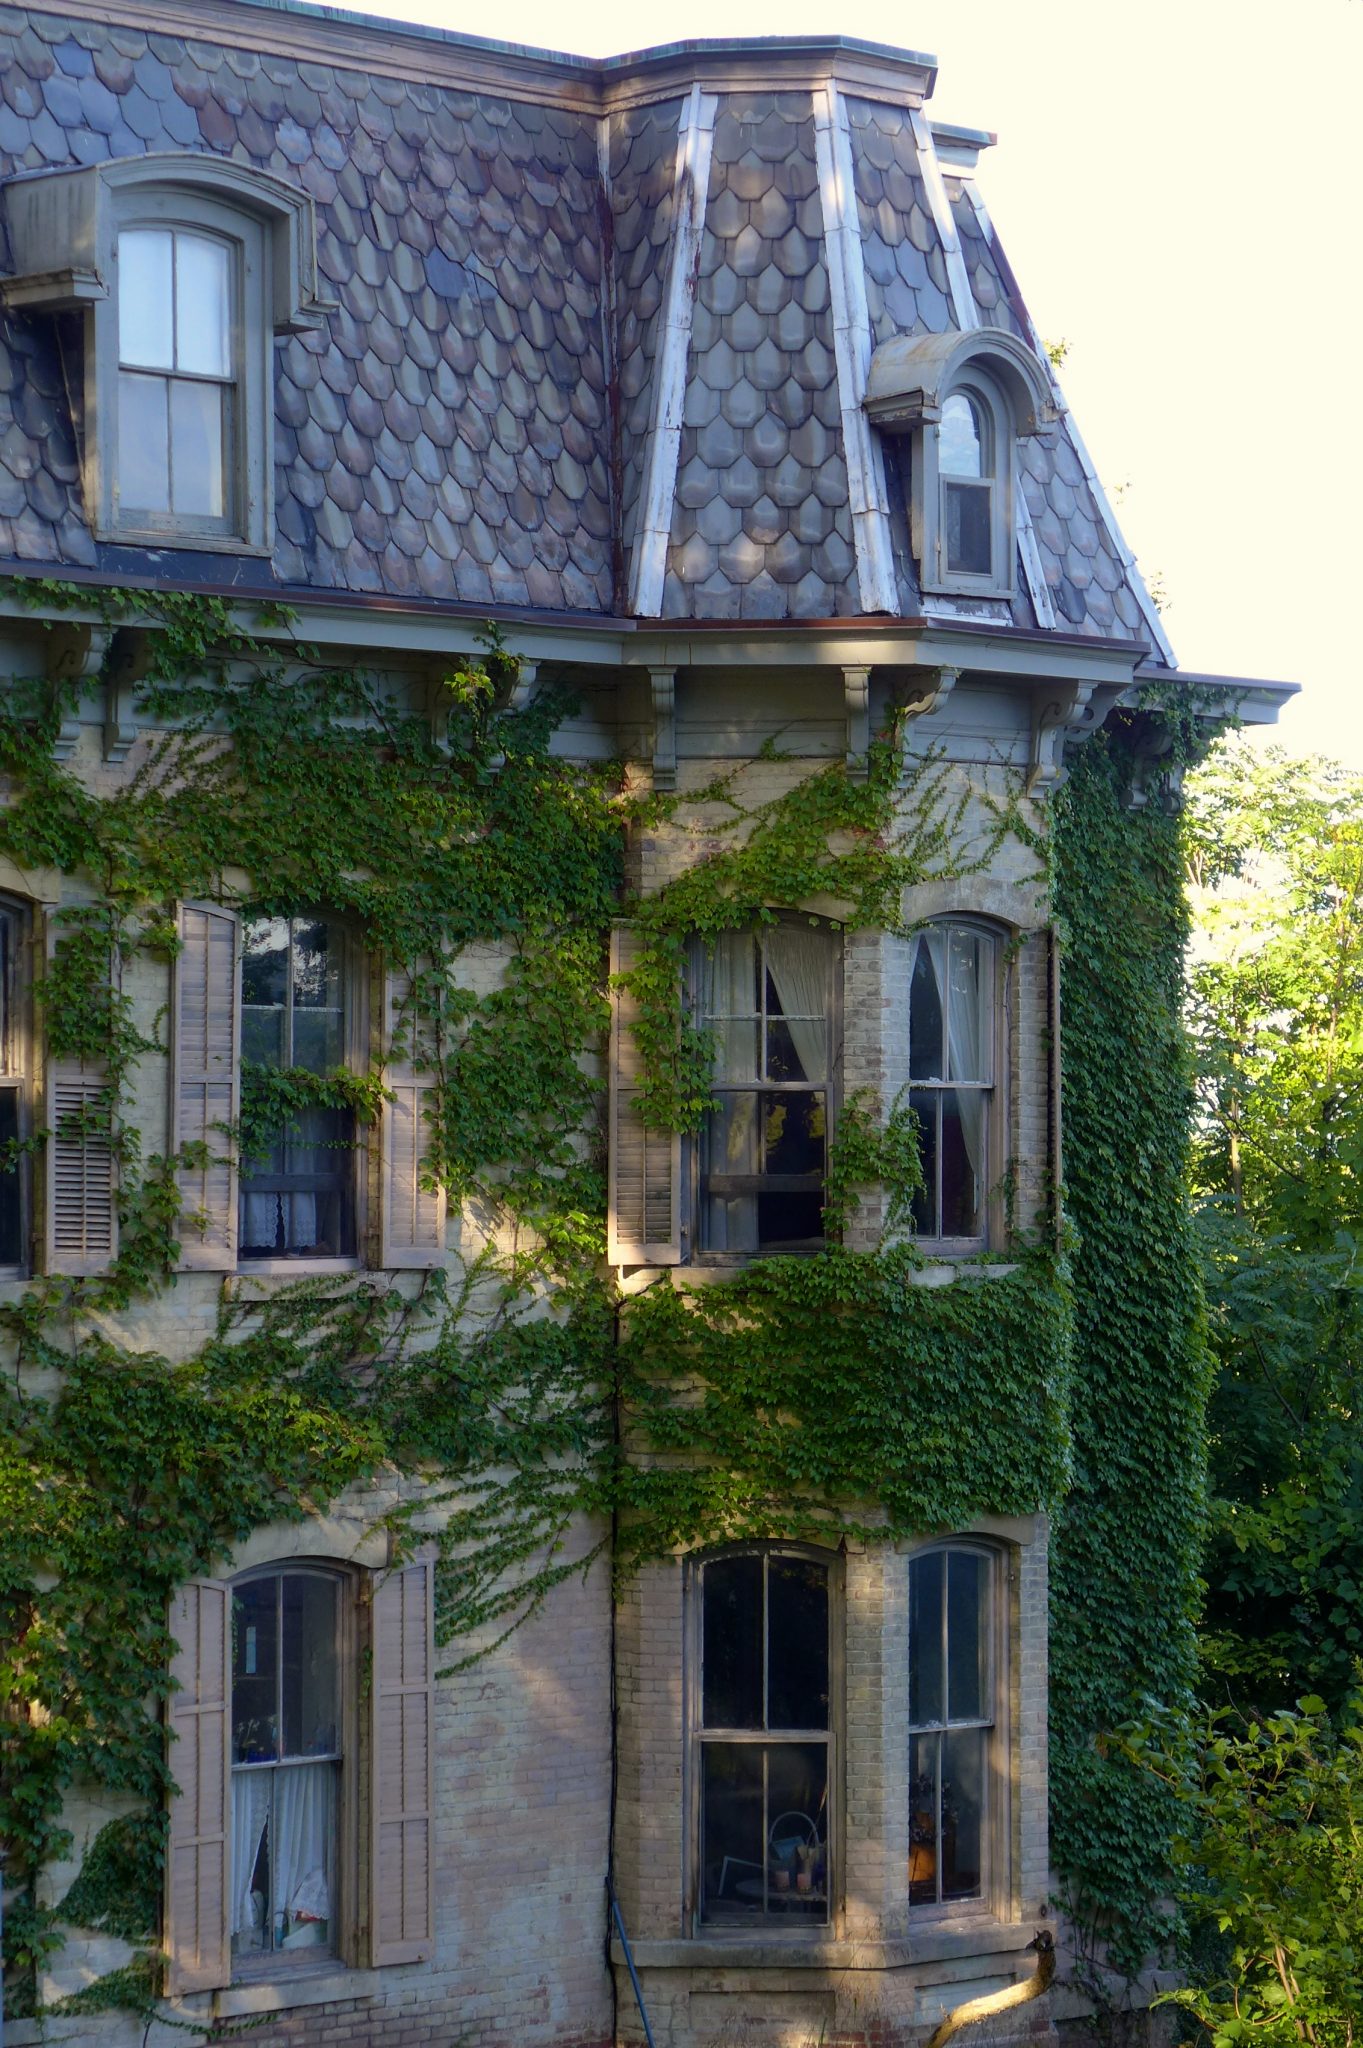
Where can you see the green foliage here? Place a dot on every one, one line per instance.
(1127, 1538)
(1269, 1856)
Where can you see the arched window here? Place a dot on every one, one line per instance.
(966, 452)
(953, 1718)
(764, 1739)
(286, 1761)
(953, 1029)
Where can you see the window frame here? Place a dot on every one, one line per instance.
(995, 1120)
(248, 450)
(17, 1061)
(998, 470)
(694, 1176)
(764, 1927)
(994, 1899)
(355, 967)
(342, 1952)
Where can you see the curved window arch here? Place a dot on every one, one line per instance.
(287, 1754)
(954, 989)
(764, 1761)
(954, 1691)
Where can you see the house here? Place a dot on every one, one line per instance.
(343, 1362)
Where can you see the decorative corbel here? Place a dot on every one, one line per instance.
(664, 685)
(72, 653)
(924, 691)
(856, 690)
(1053, 712)
(125, 668)
(1154, 777)
(522, 690)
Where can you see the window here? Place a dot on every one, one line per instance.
(962, 398)
(286, 1762)
(767, 999)
(179, 378)
(952, 1025)
(180, 269)
(298, 1196)
(14, 1088)
(951, 1722)
(764, 1741)
(294, 1706)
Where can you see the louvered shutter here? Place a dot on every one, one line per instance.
(402, 1865)
(205, 1038)
(644, 1225)
(81, 1223)
(198, 1850)
(413, 1217)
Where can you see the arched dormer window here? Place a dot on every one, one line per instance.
(963, 399)
(181, 270)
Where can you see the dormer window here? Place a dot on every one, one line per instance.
(963, 400)
(182, 270)
(179, 460)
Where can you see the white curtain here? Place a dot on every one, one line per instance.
(964, 1051)
(304, 1828)
(798, 962)
(250, 1811)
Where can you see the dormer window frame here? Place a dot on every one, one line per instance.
(911, 381)
(64, 229)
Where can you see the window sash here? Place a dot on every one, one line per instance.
(936, 1733)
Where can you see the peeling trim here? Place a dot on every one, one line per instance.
(1070, 426)
(868, 500)
(691, 184)
(967, 318)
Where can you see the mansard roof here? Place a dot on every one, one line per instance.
(594, 336)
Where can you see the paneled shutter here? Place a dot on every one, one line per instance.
(402, 1862)
(644, 1225)
(413, 1216)
(205, 1038)
(198, 1849)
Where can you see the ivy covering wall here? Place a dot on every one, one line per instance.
(804, 1396)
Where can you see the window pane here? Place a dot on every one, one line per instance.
(310, 1612)
(927, 1052)
(735, 1050)
(924, 1762)
(255, 1672)
(797, 1643)
(926, 1704)
(789, 1222)
(797, 1829)
(970, 1004)
(145, 324)
(924, 1103)
(732, 1831)
(143, 444)
(318, 1039)
(793, 1132)
(731, 976)
(316, 965)
(797, 990)
(202, 311)
(196, 423)
(731, 1654)
(969, 550)
(8, 949)
(11, 1209)
(962, 1812)
(796, 1051)
(265, 960)
(732, 1133)
(962, 1162)
(967, 1636)
(303, 1855)
(251, 1911)
(959, 439)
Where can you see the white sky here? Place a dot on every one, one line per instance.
(1178, 186)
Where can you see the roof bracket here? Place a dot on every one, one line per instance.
(664, 685)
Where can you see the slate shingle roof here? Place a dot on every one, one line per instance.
(471, 422)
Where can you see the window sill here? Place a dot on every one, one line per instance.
(310, 1984)
(942, 1941)
(282, 1269)
(195, 543)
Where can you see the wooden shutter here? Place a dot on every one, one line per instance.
(644, 1225)
(206, 1083)
(413, 1216)
(402, 1693)
(198, 1849)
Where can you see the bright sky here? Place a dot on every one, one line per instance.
(1178, 184)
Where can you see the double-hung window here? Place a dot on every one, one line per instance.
(298, 1174)
(764, 1742)
(15, 1054)
(953, 974)
(952, 1723)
